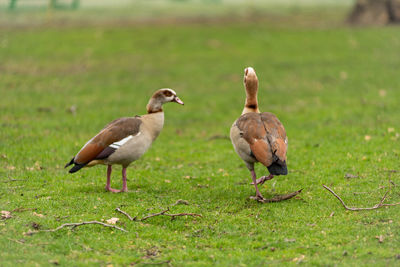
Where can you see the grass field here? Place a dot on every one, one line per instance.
(336, 89)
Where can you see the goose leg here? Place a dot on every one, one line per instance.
(258, 194)
(108, 185)
(263, 179)
(124, 185)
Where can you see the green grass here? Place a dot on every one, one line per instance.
(330, 87)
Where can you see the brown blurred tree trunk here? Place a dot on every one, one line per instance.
(375, 12)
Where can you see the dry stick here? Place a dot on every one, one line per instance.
(282, 197)
(154, 214)
(126, 214)
(73, 225)
(171, 215)
(380, 204)
(158, 214)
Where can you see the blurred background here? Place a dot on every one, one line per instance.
(41, 11)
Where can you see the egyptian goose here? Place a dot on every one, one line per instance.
(259, 137)
(125, 140)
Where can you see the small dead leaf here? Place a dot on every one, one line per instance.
(382, 93)
(38, 215)
(36, 166)
(367, 137)
(167, 181)
(157, 159)
(5, 215)
(343, 75)
(299, 259)
(72, 110)
(113, 220)
(290, 240)
(10, 167)
(4, 156)
(380, 238)
(390, 130)
(181, 202)
(55, 262)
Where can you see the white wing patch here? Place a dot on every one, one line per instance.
(120, 143)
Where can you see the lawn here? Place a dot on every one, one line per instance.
(335, 88)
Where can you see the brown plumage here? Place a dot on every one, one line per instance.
(125, 140)
(113, 132)
(259, 137)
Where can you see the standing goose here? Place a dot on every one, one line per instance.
(125, 140)
(259, 137)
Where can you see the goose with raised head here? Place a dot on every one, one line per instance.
(259, 137)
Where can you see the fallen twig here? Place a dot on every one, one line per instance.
(158, 214)
(380, 204)
(126, 214)
(74, 225)
(154, 214)
(171, 215)
(281, 197)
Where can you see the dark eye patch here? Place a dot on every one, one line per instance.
(167, 93)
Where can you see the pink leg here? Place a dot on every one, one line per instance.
(254, 178)
(108, 185)
(263, 179)
(124, 185)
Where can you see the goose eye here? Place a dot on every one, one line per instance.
(167, 93)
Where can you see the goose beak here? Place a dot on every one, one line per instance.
(177, 100)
